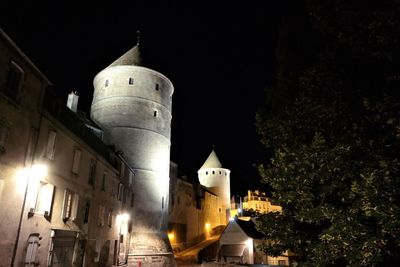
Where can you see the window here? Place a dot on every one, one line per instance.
(92, 173)
(132, 200)
(106, 83)
(103, 182)
(113, 188)
(76, 161)
(162, 203)
(122, 169)
(130, 81)
(44, 199)
(3, 135)
(15, 77)
(155, 113)
(220, 172)
(70, 207)
(30, 148)
(110, 217)
(31, 251)
(100, 219)
(157, 87)
(86, 211)
(206, 173)
(131, 175)
(51, 144)
(120, 191)
(213, 172)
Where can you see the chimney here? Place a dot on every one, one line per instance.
(72, 102)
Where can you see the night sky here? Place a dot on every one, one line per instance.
(219, 58)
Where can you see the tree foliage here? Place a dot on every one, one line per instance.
(336, 142)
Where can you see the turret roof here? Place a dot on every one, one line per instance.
(212, 161)
(132, 57)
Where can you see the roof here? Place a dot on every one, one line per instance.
(235, 250)
(212, 161)
(132, 57)
(249, 228)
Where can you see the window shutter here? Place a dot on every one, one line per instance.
(75, 207)
(51, 142)
(76, 161)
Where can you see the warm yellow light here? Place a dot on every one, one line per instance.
(208, 226)
(171, 236)
(38, 171)
(124, 217)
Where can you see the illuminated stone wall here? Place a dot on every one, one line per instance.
(132, 104)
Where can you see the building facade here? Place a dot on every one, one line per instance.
(198, 210)
(67, 198)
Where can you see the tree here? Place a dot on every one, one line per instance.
(335, 169)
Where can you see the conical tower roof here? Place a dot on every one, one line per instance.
(212, 161)
(132, 57)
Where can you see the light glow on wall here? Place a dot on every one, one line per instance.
(249, 243)
(208, 226)
(171, 237)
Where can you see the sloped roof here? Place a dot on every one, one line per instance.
(212, 161)
(249, 228)
(132, 57)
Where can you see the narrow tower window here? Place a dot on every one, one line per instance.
(106, 84)
(157, 87)
(130, 81)
(155, 113)
(213, 172)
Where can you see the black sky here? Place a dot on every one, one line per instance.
(219, 58)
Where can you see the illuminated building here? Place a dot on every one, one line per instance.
(132, 104)
(63, 192)
(198, 209)
(254, 201)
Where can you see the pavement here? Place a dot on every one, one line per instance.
(188, 257)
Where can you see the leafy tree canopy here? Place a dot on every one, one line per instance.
(336, 139)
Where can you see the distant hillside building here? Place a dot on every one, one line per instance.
(254, 201)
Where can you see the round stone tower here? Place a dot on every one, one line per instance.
(133, 106)
(217, 179)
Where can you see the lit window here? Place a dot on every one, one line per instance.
(51, 144)
(130, 81)
(76, 161)
(15, 77)
(44, 199)
(70, 208)
(31, 251)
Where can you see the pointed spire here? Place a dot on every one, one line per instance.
(132, 57)
(212, 161)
